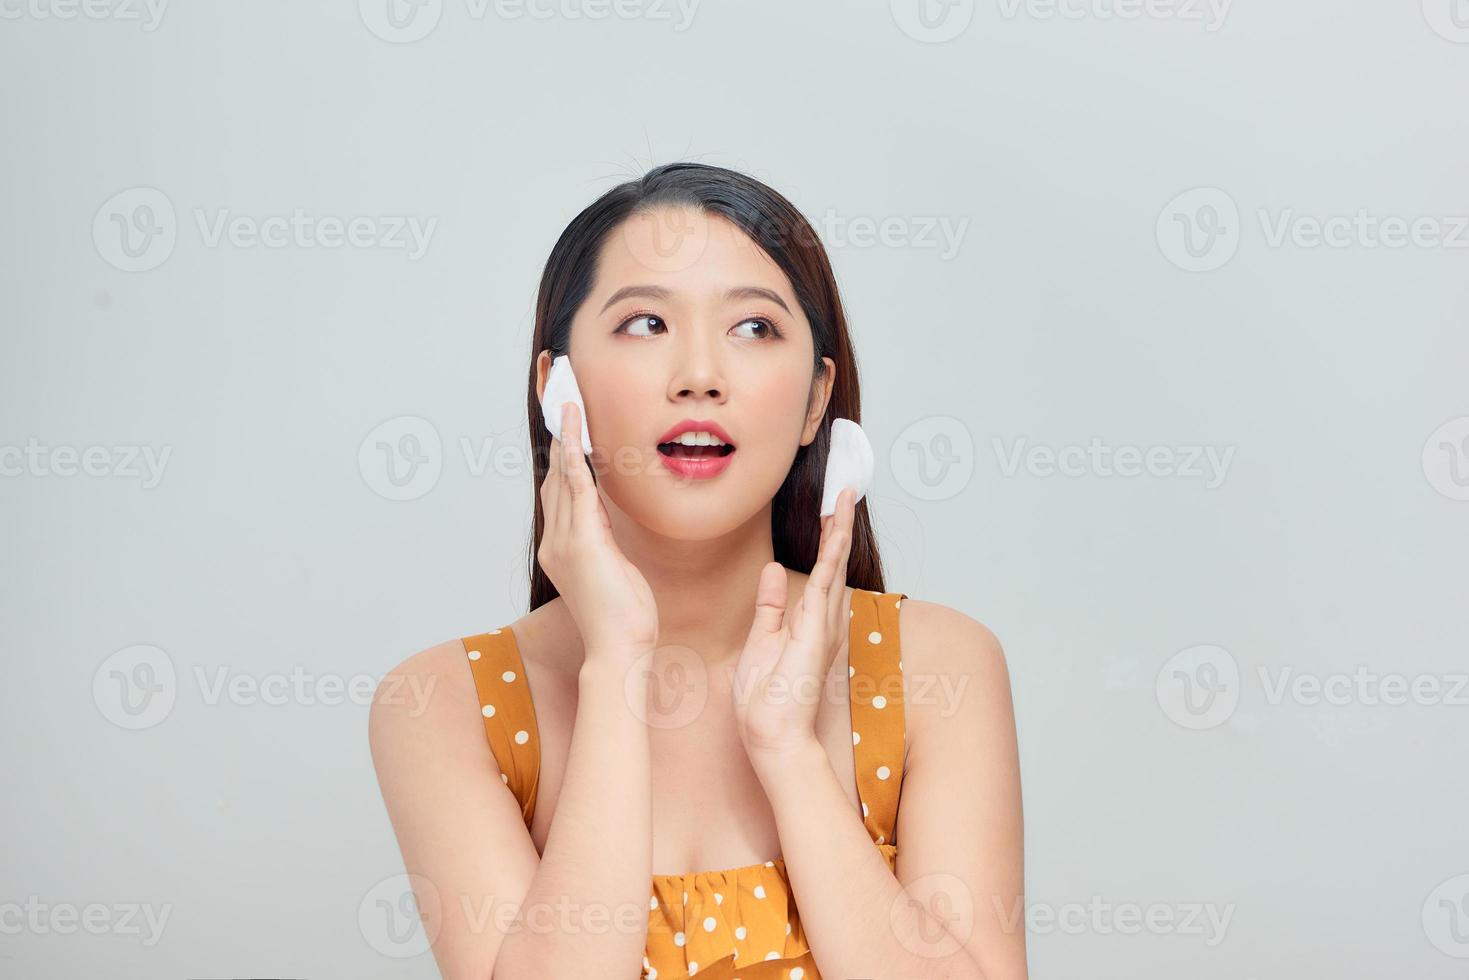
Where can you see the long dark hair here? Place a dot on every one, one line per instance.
(774, 224)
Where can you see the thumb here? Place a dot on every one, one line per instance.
(770, 600)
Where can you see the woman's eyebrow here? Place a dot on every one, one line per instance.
(756, 292)
(656, 292)
(661, 292)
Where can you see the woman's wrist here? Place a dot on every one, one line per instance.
(794, 763)
(607, 669)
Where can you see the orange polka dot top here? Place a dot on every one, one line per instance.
(736, 923)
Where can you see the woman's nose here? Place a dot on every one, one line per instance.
(699, 373)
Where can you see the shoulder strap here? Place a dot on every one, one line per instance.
(875, 696)
(510, 717)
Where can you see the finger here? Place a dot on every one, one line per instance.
(551, 485)
(770, 602)
(578, 476)
(766, 639)
(846, 518)
(602, 516)
(811, 621)
(563, 502)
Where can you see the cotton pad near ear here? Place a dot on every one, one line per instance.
(561, 388)
(849, 463)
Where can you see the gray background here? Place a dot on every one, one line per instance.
(1137, 612)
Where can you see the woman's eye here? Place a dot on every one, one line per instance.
(638, 319)
(651, 323)
(770, 330)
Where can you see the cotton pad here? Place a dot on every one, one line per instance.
(561, 388)
(849, 463)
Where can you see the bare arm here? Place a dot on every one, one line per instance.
(960, 822)
(580, 908)
(491, 906)
(953, 909)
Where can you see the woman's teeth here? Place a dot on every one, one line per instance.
(695, 445)
(698, 439)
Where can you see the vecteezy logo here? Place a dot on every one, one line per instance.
(667, 239)
(674, 683)
(401, 21)
(932, 21)
(1446, 459)
(135, 230)
(397, 915)
(1446, 917)
(950, 919)
(1199, 230)
(1198, 687)
(933, 459)
(402, 458)
(135, 687)
(1449, 18)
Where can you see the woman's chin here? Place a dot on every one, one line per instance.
(693, 514)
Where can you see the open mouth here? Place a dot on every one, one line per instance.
(678, 450)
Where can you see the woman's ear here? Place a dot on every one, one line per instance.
(543, 371)
(820, 396)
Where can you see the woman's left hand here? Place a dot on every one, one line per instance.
(781, 675)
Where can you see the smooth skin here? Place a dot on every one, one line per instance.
(652, 571)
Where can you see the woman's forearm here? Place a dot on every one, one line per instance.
(858, 919)
(586, 913)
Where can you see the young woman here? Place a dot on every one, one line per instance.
(715, 745)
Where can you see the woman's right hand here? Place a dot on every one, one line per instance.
(606, 594)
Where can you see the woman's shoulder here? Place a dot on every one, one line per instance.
(432, 689)
(952, 662)
(437, 682)
(943, 635)
(432, 686)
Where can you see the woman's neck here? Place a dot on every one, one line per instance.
(705, 590)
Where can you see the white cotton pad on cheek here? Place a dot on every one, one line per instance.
(849, 463)
(561, 388)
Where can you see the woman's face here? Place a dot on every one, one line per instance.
(689, 318)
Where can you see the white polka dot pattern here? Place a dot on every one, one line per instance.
(876, 704)
(509, 713)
